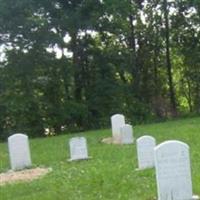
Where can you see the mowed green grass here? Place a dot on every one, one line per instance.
(110, 174)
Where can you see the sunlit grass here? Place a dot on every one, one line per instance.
(110, 174)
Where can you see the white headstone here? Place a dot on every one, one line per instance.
(145, 151)
(127, 134)
(117, 121)
(173, 172)
(78, 148)
(19, 151)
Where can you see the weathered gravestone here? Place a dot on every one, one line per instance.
(173, 172)
(78, 148)
(127, 134)
(19, 152)
(117, 121)
(145, 151)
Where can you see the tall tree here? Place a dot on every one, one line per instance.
(168, 58)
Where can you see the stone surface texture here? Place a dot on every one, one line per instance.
(173, 172)
(117, 121)
(127, 134)
(19, 152)
(145, 151)
(78, 148)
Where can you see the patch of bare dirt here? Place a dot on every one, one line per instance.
(110, 140)
(23, 175)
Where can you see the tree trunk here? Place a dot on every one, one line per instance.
(168, 60)
(77, 70)
(155, 63)
(135, 69)
(189, 99)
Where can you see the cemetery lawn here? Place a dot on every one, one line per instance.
(109, 175)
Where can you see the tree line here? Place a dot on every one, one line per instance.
(70, 64)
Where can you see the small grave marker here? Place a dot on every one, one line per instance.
(127, 134)
(145, 152)
(78, 149)
(19, 151)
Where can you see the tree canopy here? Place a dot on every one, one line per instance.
(69, 65)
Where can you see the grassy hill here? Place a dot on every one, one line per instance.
(109, 175)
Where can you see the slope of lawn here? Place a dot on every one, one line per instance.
(110, 174)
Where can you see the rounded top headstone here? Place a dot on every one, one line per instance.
(170, 144)
(117, 115)
(17, 135)
(19, 152)
(145, 137)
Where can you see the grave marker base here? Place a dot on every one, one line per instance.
(195, 197)
(145, 168)
(79, 159)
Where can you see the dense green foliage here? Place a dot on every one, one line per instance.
(109, 175)
(140, 58)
